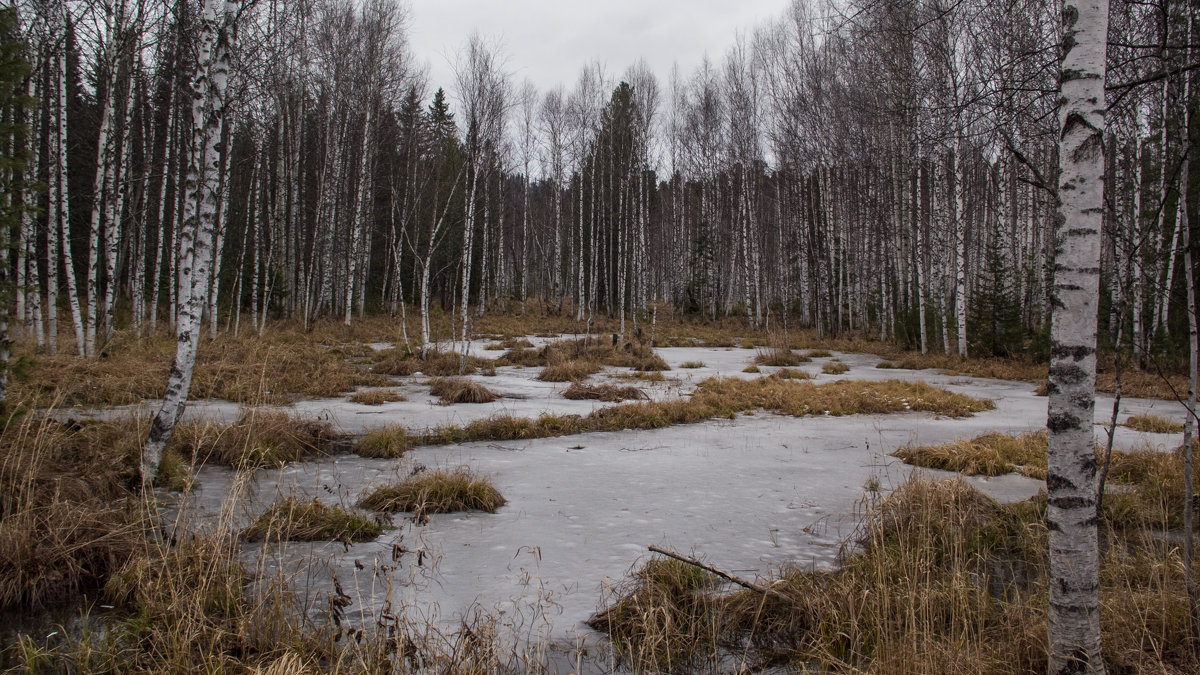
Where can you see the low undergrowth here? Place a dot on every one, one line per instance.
(259, 438)
(386, 443)
(377, 396)
(461, 390)
(276, 369)
(779, 356)
(67, 519)
(610, 393)
(723, 398)
(438, 491)
(295, 520)
(1146, 485)
(569, 371)
(834, 368)
(939, 579)
(1153, 424)
(402, 361)
(633, 355)
(790, 374)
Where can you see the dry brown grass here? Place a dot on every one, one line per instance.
(66, 516)
(1153, 424)
(295, 520)
(387, 443)
(724, 398)
(569, 371)
(259, 438)
(377, 396)
(439, 491)
(939, 579)
(778, 356)
(691, 365)
(834, 368)
(603, 392)
(1147, 485)
(663, 618)
(992, 454)
(790, 374)
(632, 355)
(278, 368)
(461, 390)
(401, 361)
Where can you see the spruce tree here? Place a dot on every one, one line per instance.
(14, 103)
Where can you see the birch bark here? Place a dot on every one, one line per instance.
(1074, 614)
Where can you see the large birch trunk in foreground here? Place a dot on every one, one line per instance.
(1074, 615)
(208, 112)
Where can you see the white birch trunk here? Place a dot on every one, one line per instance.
(1074, 615)
(208, 112)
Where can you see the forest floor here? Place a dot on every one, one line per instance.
(766, 471)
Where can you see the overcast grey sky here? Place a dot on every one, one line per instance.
(549, 41)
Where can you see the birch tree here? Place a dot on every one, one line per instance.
(215, 29)
(1074, 616)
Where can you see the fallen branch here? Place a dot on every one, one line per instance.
(724, 575)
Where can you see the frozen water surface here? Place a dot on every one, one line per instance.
(747, 495)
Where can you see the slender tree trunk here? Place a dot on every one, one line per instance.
(1074, 616)
(208, 113)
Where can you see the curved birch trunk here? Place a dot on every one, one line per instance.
(208, 112)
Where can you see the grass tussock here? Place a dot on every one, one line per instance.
(753, 370)
(779, 356)
(1153, 424)
(296, 520)
(691, 365)
(461, 390)
(603, 392)
(991, 454)
(662, 618)
(377, 396)
(634, 355)
(403, 362)
(387, 443)
(834, 368)
(790, 374)
(885, 365)
(818, 354)
(569, 371)
(439, 491)
(259, 438)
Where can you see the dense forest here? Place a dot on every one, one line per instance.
(880, 167)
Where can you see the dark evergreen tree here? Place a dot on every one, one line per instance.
(994, 318)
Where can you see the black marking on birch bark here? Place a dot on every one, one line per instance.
(1068, 373)
(1075, 610)
(1070, 16)
(1072, 503)
(1060, 422)
(1090, 148)
(1055, 482)
(1070, 74)
(1074, 120)
(1059, 350)
(1052, 525)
